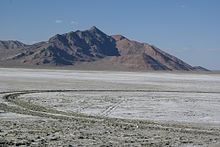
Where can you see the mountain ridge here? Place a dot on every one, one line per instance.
(90, 46)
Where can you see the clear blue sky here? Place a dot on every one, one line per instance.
(188, 29)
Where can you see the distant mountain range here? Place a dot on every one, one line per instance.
(91, 49)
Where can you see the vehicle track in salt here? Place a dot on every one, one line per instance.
(107, 111)
(14, 104)
(31, 109)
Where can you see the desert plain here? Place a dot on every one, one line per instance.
(54, 107)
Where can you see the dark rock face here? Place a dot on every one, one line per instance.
(88, 46)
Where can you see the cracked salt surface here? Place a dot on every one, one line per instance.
(160, 106)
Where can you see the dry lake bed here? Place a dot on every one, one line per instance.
(40, 107)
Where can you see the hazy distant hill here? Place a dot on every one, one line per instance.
(91, 48)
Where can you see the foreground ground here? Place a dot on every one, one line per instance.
(88, 108)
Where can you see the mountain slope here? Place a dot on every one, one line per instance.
(91, 47)
(10, 48)
(66, 49)
(127, 47)
(10, 44)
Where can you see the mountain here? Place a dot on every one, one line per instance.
(90, 48)
(10, 48)
(199, 68)
(11, 44)
(150, 56)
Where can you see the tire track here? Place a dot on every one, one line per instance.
(108, 111)
(11, 97)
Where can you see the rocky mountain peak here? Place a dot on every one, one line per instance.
(91, 47)
(94, 29)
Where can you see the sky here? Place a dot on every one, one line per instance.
(187, 29)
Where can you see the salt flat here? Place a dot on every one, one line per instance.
(18, 78)
(192, 107)
(187, 100)
(193, 97)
